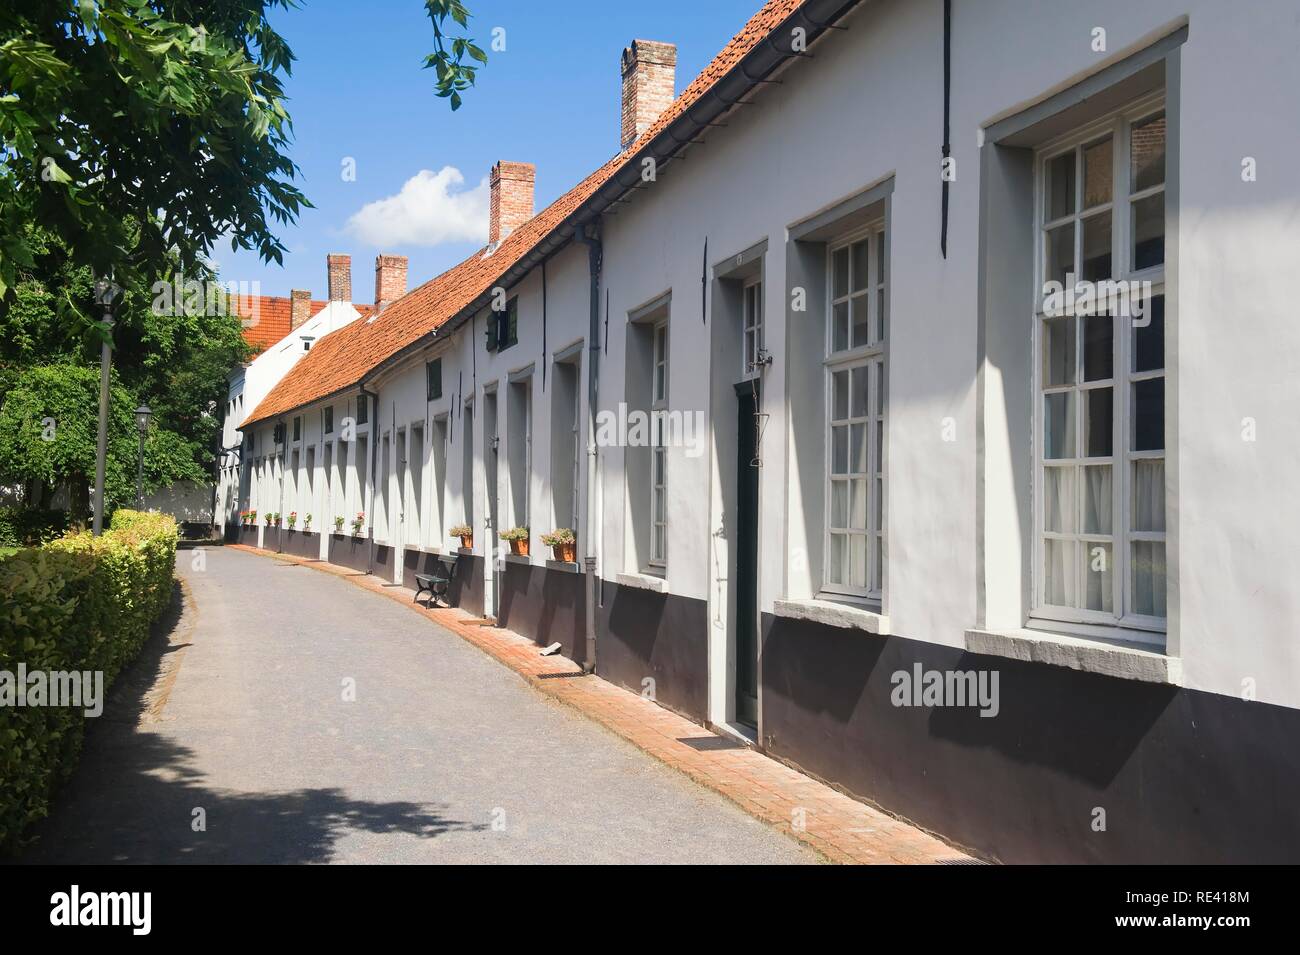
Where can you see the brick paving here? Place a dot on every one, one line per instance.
(838, 826)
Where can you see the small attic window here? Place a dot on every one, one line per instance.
(306, 342)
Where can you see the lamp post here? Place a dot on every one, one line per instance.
(105, 292)
(142, 416)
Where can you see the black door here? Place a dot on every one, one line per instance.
(746, 554)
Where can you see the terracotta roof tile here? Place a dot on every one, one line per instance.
(340, 360)
(267, 317)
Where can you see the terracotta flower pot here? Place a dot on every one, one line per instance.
(467, 541)
(565, 552)
(519, 547)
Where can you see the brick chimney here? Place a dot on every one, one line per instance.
(649, 75)
(339, 273)
(512, 198)
(390, 279)
(299, 307)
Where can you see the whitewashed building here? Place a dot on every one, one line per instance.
(919, 517)
(285, 330)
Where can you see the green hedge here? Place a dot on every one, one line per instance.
(78, 603)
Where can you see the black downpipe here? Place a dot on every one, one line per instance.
(543, 326)
(947, 115)
(704, 284)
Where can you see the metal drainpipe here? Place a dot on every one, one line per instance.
(372, 417)
(594, 251)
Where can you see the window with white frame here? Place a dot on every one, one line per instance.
(1099, 328)
(753, 325)
(856, 335)
(659, 453)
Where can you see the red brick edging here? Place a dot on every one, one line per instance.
(836, 825)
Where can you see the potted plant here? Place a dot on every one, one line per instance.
(518, 538)
(270, 518)
(357, 523)
(465, 533)
(293, 519)
(252, 518)
(276, 515)
(563, 544)
(338, 524)
(306, 524)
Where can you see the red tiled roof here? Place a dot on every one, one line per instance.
(340, 361)
(266, 318)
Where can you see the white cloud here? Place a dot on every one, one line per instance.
(429, 210)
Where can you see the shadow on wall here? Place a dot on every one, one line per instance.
(1068, 767)
(132, 798)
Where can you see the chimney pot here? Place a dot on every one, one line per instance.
(390, 279)
(512, 198)
(649, 78)
(299, 307)
(339, 274)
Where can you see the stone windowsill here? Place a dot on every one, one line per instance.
(518, 559)
(467, 551)
(643, 582)
(832, 613)
(566, 566)
(1115, 658)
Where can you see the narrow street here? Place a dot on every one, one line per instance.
(294, 718)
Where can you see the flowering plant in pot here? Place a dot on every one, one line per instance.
(293, 519)
(465, 533)
(276, 515)
(518, 538)
(563, 544)
(251, 518)
(270, 518)
(338, 524)
(357, 523)
(306, 524)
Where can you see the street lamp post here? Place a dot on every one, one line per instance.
(142, 416)
(105, 292)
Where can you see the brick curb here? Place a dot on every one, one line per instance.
(836, 825)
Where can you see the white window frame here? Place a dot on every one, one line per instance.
(528, 454)
(751, 307)
(871, 354)
(658, 452)
(577, 448)
(1144, 628)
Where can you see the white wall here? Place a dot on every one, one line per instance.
(868, 107)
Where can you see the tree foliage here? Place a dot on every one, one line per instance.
(448, 60)
(139, 129)
(175, 359)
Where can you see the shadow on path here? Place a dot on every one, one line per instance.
(137, 796)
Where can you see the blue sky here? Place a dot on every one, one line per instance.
(358, 92)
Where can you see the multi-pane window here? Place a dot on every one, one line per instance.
(329, 421)
(297, 428)
(433, 379)
(659, 454)
(753, 325)
(503, 327)
(1100, 414)
(363, 410)
(857, 325)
